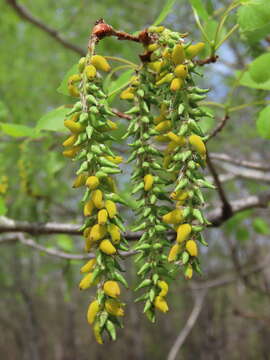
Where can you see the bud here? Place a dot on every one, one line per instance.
(176, 84)
(90, 72)
(192, 248)
(97, 232)
(173, 252)
(97, 199)
(88, 208)
(161, 304)
(79, 181)
(111, 288)
(114, 307)
(178, 54)
(74, 127)
(107, 247)
(148, 182)
(100, 63)
(181, 71)
(93, 309)
(173, 217)
(183, 231)
(197, 143)
(88, 266)
(163, 286)
(194, 50)
(111, 208)
(102, 217)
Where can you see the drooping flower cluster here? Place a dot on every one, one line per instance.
(88, 144)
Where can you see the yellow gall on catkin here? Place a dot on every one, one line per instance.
(111, 208)
(114, 307)
(161, 304)
(164, 287)
(192, 248)
(165, 79)
(102, 217)
(88, 266)
(86, 281)
(90, 72)
(70, 153)
(97, 197)
(173, 217)
(88, 208)
(163, 126)
(173, 252)
(92, 311)
(70, 141)
(107, 247)
(183, 232)
(114, 232)
(92, 182)
(74, 127)
(73, 91)
(194, 50)
(179, 140)
(176, 84)
(127, 94)
(111, 288)
(97, 333)
(178, 54)
(188, 272)
(181, 71)
(100, 63)
(79, 181)
(148, 182)
(97, 232)
(198, 145)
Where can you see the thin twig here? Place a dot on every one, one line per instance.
(26, 15)
(219, 127)
(244, 163)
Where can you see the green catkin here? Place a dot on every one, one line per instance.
(168, 152)
(88, 145)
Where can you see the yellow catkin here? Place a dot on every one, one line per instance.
(161, 304)
(111, 288)
(194, 50)
(165, 79)
(114, 307)
(173, 252)
(163, 287)
(100, 63)
(97, 232)
(163, 126)
(88, 208)
(197, 144)
(97, 197)
(90, 72)
(102, 217)
(179, 140)
(107, 247)
(70, 141)
(188, 272)
(97, 333)
(73, 91)
(173, 217)
(183, 232)
(86, 281)
(88, 266)
(92, 311)
(127, 94)
(178, 54)
(70, 153)
(111, 208)
(79, 181)
(92, 182)
(181, 71)
(176, 84)
(114, 232)
(192, 248)
(148, 182)
(74, 127)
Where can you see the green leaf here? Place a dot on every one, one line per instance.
(259, 69)
(18, 130)
(3, 208)
(65, 242)
(254, 19)
(117, 85)
(53, 120)
(246, 80)
(242, 233)
(200, 9)
(63, 87)
(3, 111)
(167, 8)
(260, 226)
(263, 123)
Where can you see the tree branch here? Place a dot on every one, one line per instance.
(219, 127)
(26, 15)
(191, 321)
(244, 163)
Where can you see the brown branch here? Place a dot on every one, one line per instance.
(226, 206)
(219, 127)
(121, 114)
(214, 216)
(209, 60)
(191, 321)
(243, 163)
(26, 15)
